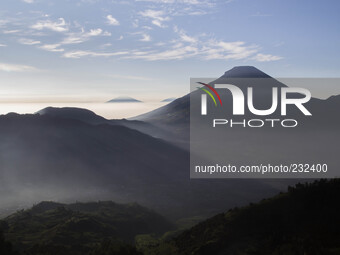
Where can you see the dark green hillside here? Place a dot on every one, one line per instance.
(305, 220)
(53, 228)
(6, 247)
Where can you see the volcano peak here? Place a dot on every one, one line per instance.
(245, 72)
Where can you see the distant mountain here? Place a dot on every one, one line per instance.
(296, 144)
(90, 117)
(66, 154)
(44, 157)
(245, 72)
(124, 100)
(177, 113)
(84, 115)
(78, 228)
(305, 220)
(173, 117)
(169, 99)
(58, 154)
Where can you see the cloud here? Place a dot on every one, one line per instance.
(184, 47)
(50, 25)
(3, 22)
(28, 1)
(146, 38)
(81, 53)
(11, 31)
(184, 37)
(157, 17)
(94, 32)
(75, 38)
(106, 33)
(187, 46)
(266, 57)
(52, 47)
(16, 68)
(112, 21)
(173, 54)
(157, 23)
(147, 27)
(28, 41)
(231, 50)
(105, 45)
(3, 45)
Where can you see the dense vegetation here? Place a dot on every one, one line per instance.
(6, 247)
(305, 220)
(52, 228)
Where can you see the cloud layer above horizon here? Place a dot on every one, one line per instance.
(65, 45)
(147, 30)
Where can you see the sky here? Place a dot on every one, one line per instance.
(95, 50)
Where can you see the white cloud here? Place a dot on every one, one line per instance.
(11, 31)
(105, 45)
(16, 68)
(147, 27)
(146, 38)
(106, 33)
(266, 57)
(157, 17)
(54, 26)
(157, 23)
(28, 41)
(94, 32)
(3, 45)
(184, 47)
(3, 22)
(235, 50)
(28, 1)
(187, 46)
(135, 23)
(112, 21)
(120, 38)
(184, 37)
(81, 53)
(52, 47)
(174, 54)
(75, 38)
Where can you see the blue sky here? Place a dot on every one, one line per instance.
(98, 49)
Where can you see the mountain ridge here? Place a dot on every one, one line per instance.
(124, 99)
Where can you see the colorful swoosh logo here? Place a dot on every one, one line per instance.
(209, 93)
